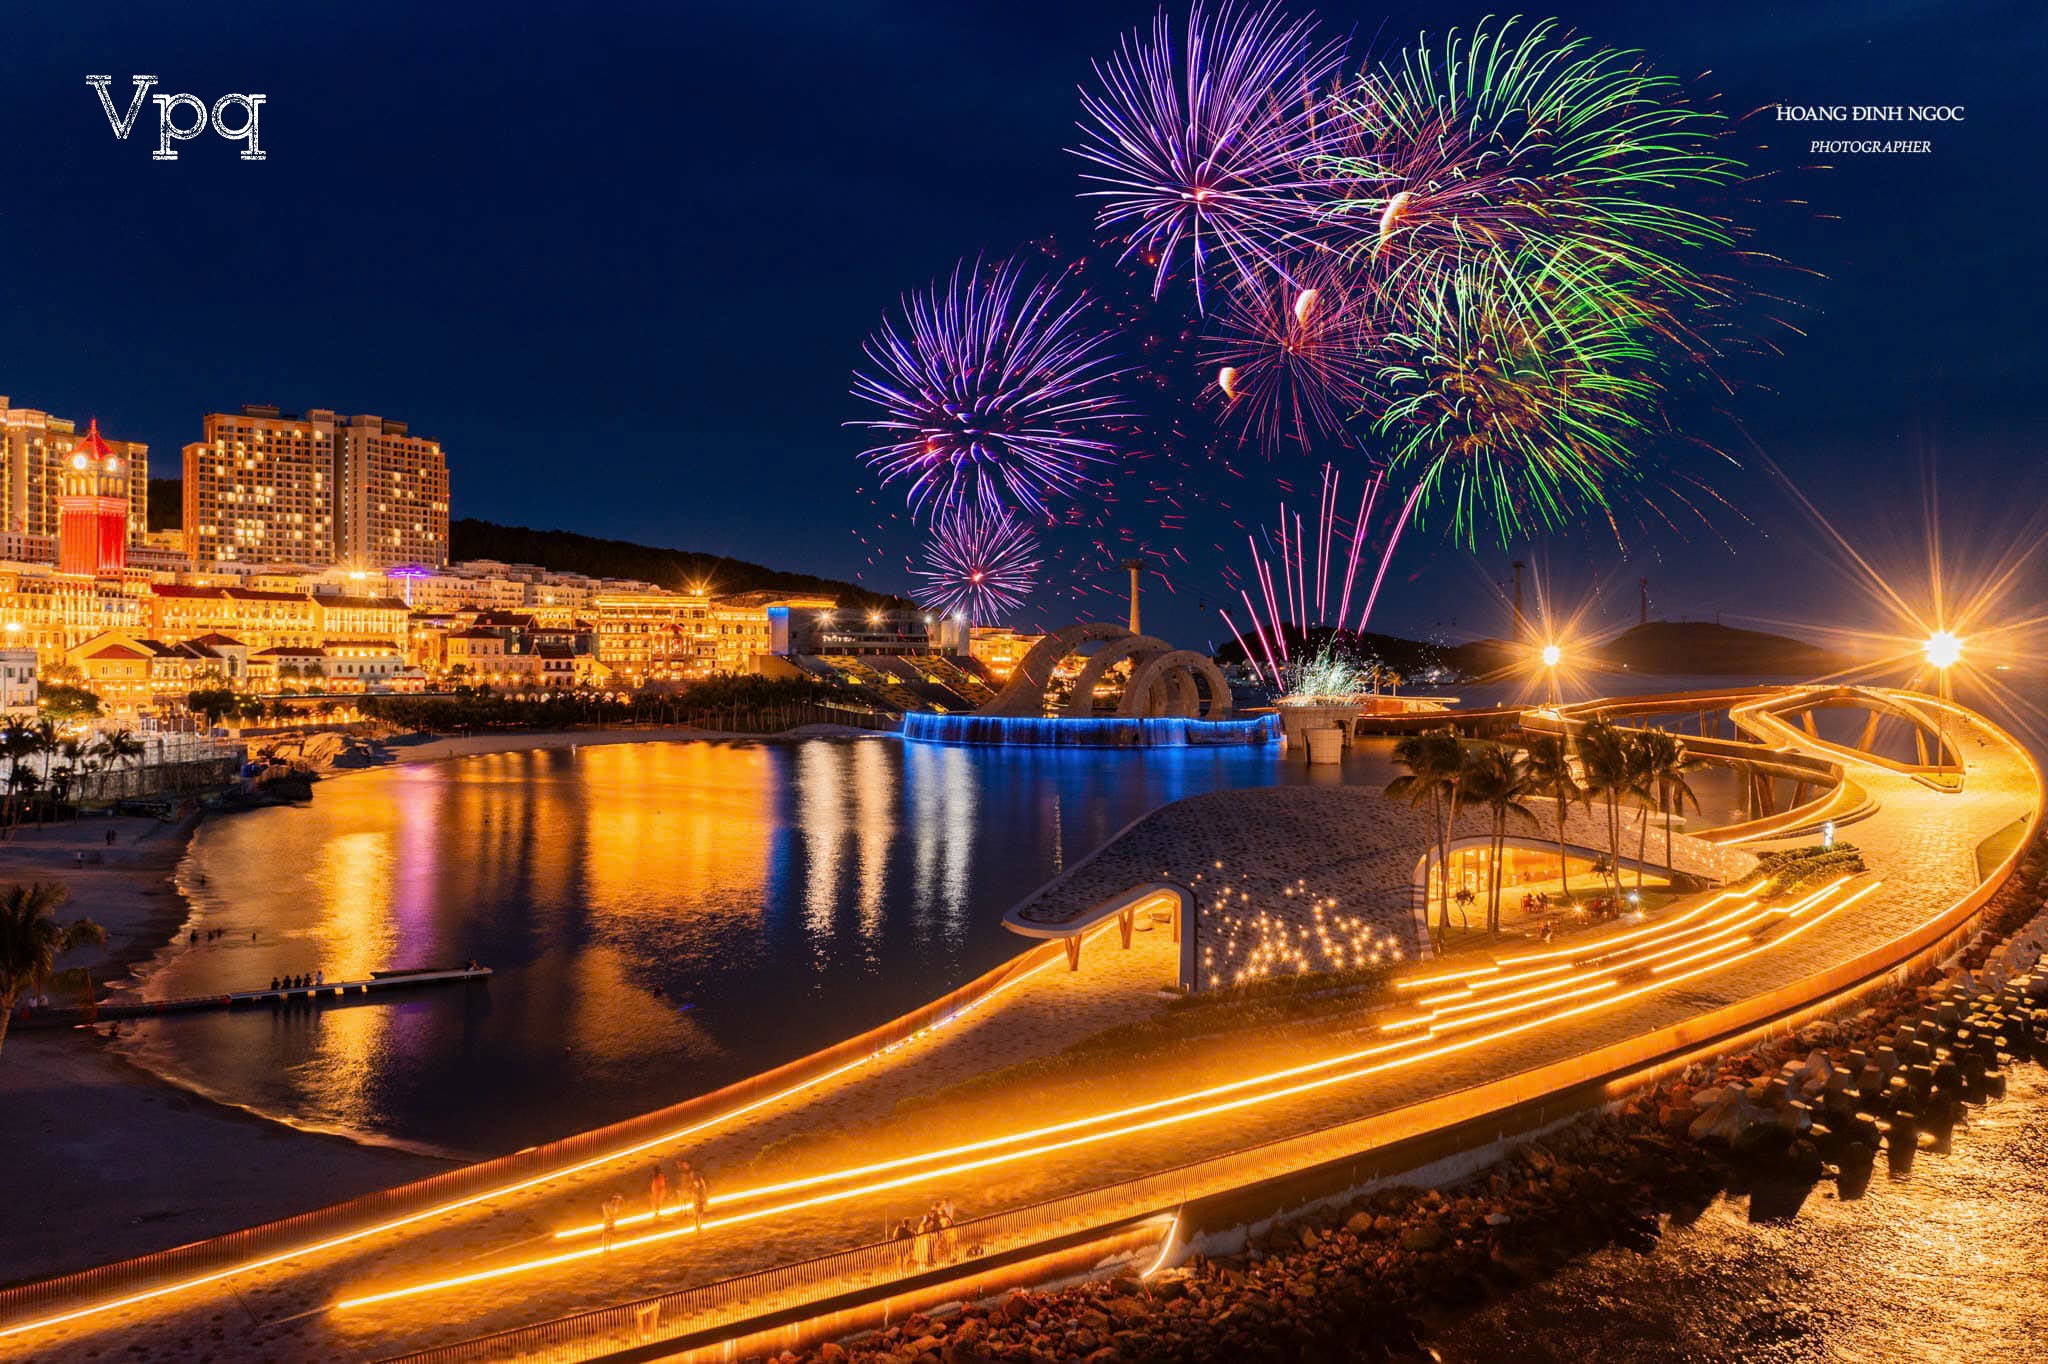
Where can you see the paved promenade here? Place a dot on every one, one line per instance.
(1920, 843)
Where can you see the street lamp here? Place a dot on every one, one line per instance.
(1942, 650)
(1552, 656)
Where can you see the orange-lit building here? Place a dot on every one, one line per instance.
(999, 649)
(92, 508)
(35, 448)
(263, 620)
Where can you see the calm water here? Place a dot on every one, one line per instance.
(661, 918)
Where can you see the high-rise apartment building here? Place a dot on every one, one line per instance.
(259, 488)
(266, 486)
(393, 506)
(35, 450)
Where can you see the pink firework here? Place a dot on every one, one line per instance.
(1208, 147)
(979, 564)
(1291, 354)
(1306, 576)
(994, 391)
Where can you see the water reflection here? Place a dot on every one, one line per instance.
(662, 918)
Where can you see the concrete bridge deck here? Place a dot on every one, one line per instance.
(812, 1170)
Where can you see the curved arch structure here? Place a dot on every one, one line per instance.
(1137, 648)
(1024, 694)
(1175, 674)
(1166, 683)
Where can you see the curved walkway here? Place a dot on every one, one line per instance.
(835, 1166)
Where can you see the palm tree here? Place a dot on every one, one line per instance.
(17, 744)
(1434, 759)
(1665, 763)
(120, 748)
(1549, 761)
(31, 941)
(1605, 752)
(47, 738)
(1496, 777)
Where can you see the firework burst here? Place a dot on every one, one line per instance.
(1513, 418)
(1292, 354)
(994, 391)
(1207, 147)
(1513, 143)
(979, 564)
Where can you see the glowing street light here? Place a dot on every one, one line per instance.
(1942, 649)
(1552, 656)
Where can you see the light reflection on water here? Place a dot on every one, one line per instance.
(662, 918)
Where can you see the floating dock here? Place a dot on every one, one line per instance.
(332, 989)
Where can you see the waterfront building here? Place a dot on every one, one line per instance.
(35, 448)
(476, 656)
(742, 626)
(265, 620)
(20, 685)
(653, 635)
(361, 664)
(53, 612)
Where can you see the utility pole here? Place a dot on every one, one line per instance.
(1521, 622)
(1643, 610)
(1136, 567)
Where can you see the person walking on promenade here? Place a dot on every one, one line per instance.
(700, 1197)
(611, 1220)
(905, 1237)
(657, 1192)
(949, 1240)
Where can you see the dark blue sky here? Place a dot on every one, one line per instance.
(619, 258)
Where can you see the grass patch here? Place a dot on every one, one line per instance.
(1794, 869)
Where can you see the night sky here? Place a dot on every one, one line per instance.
(619, 258)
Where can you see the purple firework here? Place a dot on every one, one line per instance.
(993, 392)
(979, 564)
(1211, 145)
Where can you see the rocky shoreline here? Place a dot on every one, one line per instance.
(1375, 1276)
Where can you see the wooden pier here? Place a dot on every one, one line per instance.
(332, 989)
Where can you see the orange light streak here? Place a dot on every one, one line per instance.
(1089, 1139)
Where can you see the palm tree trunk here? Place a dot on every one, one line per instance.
(1564, 876)
(6, 1013)
(1642, 849)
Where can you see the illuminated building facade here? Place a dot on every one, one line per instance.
(92, 508)
(259, 487)
(653, 635)
(741, 630)
(263, 620)
(35, 448)
(19, 685)
(392, 505)
(53, 612)
(267, 486)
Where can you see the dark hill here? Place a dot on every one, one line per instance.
(1709, 649)
(568, 552)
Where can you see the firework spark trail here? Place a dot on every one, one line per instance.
(1387, 557)
(1208, 141)
(994, 390)
(1301, 599)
